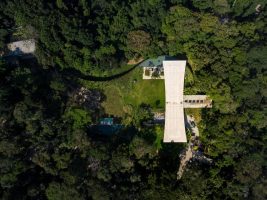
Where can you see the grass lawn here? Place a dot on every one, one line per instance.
(136, 91)
(113, 103)
(129, 91)
(196, 112)
(150, 92)
(159, 138)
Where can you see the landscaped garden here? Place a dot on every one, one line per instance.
(124, 94)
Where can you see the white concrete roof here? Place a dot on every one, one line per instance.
(174, 130)
(197, 101)
(24, 46)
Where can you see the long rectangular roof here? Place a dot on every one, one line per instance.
(174, 130)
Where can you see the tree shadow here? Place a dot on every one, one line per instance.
(71, 72)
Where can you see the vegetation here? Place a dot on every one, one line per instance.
(48, 149)
(127, 93)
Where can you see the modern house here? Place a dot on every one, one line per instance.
(176, 101)
(173, 71)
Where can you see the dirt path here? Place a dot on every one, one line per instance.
(135, 61)
(185, 158)
(188, 154)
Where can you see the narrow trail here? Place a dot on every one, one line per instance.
(185, 158)
(188, 154)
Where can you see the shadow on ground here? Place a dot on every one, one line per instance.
(77, 74)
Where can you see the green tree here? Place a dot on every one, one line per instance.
(138, 41)
(80, 117)
(221, 6)
(60, 191)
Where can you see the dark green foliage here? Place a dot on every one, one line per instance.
(56, 191)
(46, 148)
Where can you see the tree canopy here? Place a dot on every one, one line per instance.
(49, 148)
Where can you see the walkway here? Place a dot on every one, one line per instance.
(188, 154)
(184, 160)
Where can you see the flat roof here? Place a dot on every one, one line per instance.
(174, 130)
(197, 101)
(196, 97)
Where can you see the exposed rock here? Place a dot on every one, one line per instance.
(89, 98)
(258, 8)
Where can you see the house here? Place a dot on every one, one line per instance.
(176, 101)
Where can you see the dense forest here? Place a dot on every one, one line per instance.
(47, 149)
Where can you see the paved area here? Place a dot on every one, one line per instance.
(153, 73)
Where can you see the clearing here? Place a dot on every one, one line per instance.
(126, 93)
